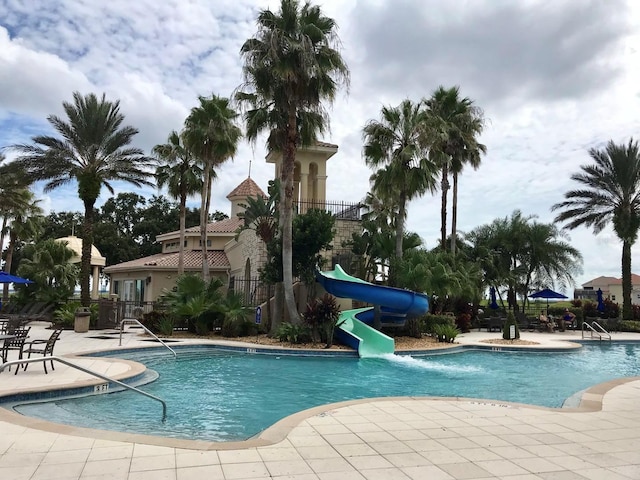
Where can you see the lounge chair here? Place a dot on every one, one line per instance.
(42, 347)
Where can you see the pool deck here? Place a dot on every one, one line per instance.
(386, 439)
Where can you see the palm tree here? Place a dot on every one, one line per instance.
(14, 195)
(452, 124)
(26, 225)
(290, 66)
(395, 143)
(212, 136)
(93, 151)
(182, 176)
(609, 194)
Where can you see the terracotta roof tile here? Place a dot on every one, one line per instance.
(192, 260)
(228, 225)
(248, 188)
(326, 144)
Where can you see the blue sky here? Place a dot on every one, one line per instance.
(553, 77)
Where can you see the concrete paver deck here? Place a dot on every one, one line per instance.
(390, 438)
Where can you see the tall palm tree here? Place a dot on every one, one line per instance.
(290, 67)
(212, 136)
(178, 170)
(14, 195)
(93, 152)
(452, 125)
(609, 194)
(395, 142)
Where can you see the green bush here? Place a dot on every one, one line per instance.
(322, 316)
(64, 316)
(445, 333)
(153, 319)
(430, 322)
(629, 326)
(293, 333)
(506, 330)
(413, 327)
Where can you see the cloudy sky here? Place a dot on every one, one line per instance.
(554, 78)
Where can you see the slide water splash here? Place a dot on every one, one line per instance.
(427, 364)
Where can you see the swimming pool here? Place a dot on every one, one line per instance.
(222, 396)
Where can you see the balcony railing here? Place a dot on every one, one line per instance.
(341, 210)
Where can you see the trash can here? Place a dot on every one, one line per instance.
(81, 321)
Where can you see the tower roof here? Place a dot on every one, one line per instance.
(248, 188)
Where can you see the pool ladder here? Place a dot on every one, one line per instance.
(85, 370)
(601, 332)
(133, 321)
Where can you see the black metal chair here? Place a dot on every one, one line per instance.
(42, 347)
(16, 343)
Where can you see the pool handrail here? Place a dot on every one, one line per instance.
(85, 370)
(593, 330)
(135, 321)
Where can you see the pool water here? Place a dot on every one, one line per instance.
(220, 396)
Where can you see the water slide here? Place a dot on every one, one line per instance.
(355, 330)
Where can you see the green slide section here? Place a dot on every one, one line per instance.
(367, 340)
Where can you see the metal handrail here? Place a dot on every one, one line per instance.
(134, 321)
(85, 370)
(593, 330)
(602, 329)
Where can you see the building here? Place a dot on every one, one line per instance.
(97, 260)
(611, 289)
(233, 257)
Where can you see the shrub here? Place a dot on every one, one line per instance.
(293, 333)
(445, 333)
(236, 316)
(322, 315)
(413, 327)
(153, 319)
(463, 322)
(629, 326)
(506, 331)
(431, 321)
(64, 316)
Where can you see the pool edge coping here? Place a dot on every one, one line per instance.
(591, 400)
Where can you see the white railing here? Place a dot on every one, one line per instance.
(592, 331)
(133, 321)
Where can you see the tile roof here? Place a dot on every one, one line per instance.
(228, 225)
(248, 188)
(326, 144)
(635, 280)
(192, 260)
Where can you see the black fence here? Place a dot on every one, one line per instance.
(254, 291)
(341, 210)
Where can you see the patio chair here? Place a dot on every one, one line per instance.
(16, 343)
(42, 347)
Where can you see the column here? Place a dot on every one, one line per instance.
(95, 282)
(304, 192)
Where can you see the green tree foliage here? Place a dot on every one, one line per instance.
(94, 151)
(608, 194)
(452, 127)
(521, 255)
(211, 135)
(47, 264)
(396, 143)
(291, 66)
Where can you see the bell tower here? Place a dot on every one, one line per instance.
(310, 173)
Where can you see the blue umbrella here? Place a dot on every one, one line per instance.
(600, 301)
(547, 293)
(8, 278)
(492, 295)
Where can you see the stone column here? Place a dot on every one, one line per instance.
(304, 192)
(322, 188)
(95, 282)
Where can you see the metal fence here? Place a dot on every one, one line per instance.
(341, 210)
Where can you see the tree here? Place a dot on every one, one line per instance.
(47, 263)
(211, 135)
(396, 142)
(14, 195)
(609, 195)
(26, 225)
(182, 176)
(452, 126)
(93, 152)
(290, 67)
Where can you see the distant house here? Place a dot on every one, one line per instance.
(235, 258)
(611, 289)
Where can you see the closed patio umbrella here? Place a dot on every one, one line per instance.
(600, 301)
(492, 299)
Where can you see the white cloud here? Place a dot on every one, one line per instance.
(554, 79)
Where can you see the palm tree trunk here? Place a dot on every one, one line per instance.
(454, 213)
(7, 265)
(444, 185)
(286, 217)
(183, 215)
(402, 211)
(627, 311)
(87, 243)
(204, 218)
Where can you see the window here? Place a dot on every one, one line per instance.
(613, 298)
